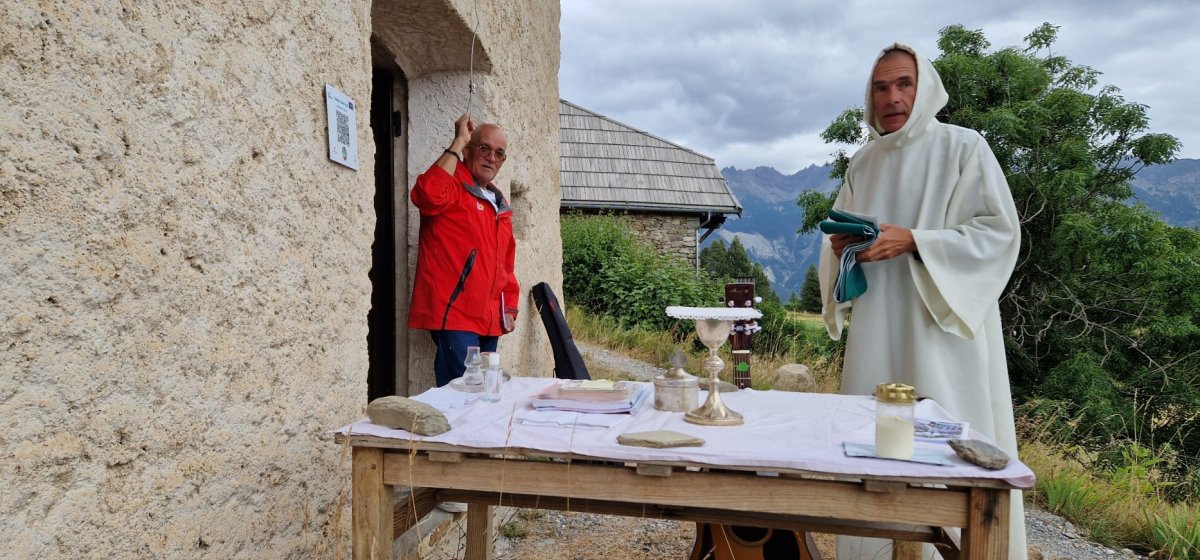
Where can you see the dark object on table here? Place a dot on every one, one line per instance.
(980, 453)
(568, 364)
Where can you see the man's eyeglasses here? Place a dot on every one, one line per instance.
(486, 150)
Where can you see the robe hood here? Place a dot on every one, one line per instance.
(931, 97)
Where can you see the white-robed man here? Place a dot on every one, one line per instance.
(949, 238)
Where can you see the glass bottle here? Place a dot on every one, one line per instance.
(473, 375)
(492, 378)
(894, 404)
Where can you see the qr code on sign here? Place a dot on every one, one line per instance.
(343, 128)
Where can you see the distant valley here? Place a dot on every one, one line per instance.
(770, 217)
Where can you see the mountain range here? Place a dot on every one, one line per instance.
(770, 217)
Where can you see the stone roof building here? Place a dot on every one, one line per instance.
(190, 280)
(673, 196)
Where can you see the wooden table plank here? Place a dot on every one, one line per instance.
(718, 490)
(371, 506)
(897, 531)
(412, 507)
(418, 447)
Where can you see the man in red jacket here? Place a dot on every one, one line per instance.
(465, 292)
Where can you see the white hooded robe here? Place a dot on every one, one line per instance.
(934, 323)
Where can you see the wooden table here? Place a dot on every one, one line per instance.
(903, 509)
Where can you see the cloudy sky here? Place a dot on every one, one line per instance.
(754, 82)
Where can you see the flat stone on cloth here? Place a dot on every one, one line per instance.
(659, 439)
(980, 453)
(407, 414)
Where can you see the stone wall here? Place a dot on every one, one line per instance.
(672, 235)
(183, 318)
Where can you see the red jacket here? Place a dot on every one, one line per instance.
(456, 220)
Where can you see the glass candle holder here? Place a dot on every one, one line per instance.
(894, 404)
(473, 375)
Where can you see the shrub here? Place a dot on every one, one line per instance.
(607, 271)
(591, 244)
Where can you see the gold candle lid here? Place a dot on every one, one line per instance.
(897, 393)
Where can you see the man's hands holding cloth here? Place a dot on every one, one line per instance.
(891, 242)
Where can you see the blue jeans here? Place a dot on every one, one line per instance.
(452, 352)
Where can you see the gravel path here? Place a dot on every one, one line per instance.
(604, 359)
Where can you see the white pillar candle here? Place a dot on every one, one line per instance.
(894, 437)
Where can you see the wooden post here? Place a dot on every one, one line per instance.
(479, 532)
(906, 550)
(371, 506)
(986, 533)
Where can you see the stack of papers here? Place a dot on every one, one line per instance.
(585, 395)
(939, 430)
(851, 281)
(920, 455)
(568, 419)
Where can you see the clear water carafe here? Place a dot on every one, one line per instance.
(492, 378)
(473, 375)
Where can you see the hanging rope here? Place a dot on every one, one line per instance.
(471, 70)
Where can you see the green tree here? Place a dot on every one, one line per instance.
(810, 292)
(714, 259)
(793, 303)
(1101, 310)
(734, 262)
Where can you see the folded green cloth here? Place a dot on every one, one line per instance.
(851, 281)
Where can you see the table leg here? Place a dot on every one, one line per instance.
(479, 532)
(906, 550)
(371, 507)
(986, 535)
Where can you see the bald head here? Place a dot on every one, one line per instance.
(486, 153)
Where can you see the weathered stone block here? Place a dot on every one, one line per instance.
(407, 414)
(794, 377)
(659, 439)
(980, 453)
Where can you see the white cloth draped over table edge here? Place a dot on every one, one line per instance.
(783, 430)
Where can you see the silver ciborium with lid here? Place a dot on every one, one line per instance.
(676, 390)
(713, 325)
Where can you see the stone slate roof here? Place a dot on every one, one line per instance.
(613, 166)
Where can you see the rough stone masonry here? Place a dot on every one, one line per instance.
(185, 273)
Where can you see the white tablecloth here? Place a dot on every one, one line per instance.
(788, 430)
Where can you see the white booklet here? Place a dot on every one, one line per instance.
(624, 396)
(939, 430)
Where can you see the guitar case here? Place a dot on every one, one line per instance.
(731, 542)
(568, 363)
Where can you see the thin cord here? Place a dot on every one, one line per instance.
(471, 71)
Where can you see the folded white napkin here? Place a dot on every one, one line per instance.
(446, 401)
(567, 419)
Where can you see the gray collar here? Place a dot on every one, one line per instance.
(477, 191)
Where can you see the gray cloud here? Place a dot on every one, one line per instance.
(753, 83)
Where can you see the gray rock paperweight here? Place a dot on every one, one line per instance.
(406, 414)
(659, 439)
(980, 453)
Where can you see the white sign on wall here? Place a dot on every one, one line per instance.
(343, 136)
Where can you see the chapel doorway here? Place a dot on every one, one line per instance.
(387, 337)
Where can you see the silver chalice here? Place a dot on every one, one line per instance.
(713, 325)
